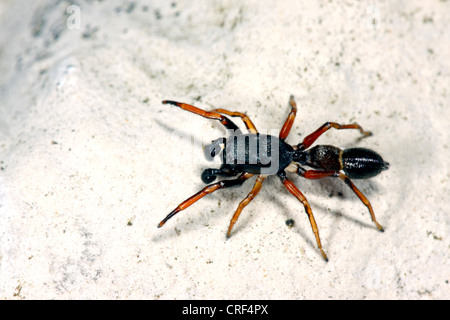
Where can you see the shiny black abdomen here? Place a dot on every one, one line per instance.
(357, 163)
(361, 163)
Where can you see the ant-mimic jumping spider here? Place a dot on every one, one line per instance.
(246, 155)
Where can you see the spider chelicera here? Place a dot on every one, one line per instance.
(245, 155)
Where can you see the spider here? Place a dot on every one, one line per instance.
(244, 155)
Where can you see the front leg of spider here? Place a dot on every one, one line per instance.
(206, 190)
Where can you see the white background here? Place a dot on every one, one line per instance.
(91, 160)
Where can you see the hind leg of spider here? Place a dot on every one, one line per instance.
(361, 197)
(290, 119)
(248, 123)
(227, 123)
(318, 174)
(206, 190)
(311, 138)
(245, 202)
(296, 193)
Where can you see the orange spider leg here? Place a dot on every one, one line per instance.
(311, 138)
(318, 174)
(245, 202)
(206, 114)
(361, 197)
(296, 193)
(206, 190)
(248, 123)
(290, 119)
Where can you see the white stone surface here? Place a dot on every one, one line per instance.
(91, 160)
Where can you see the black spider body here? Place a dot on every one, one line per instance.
(257, 153)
